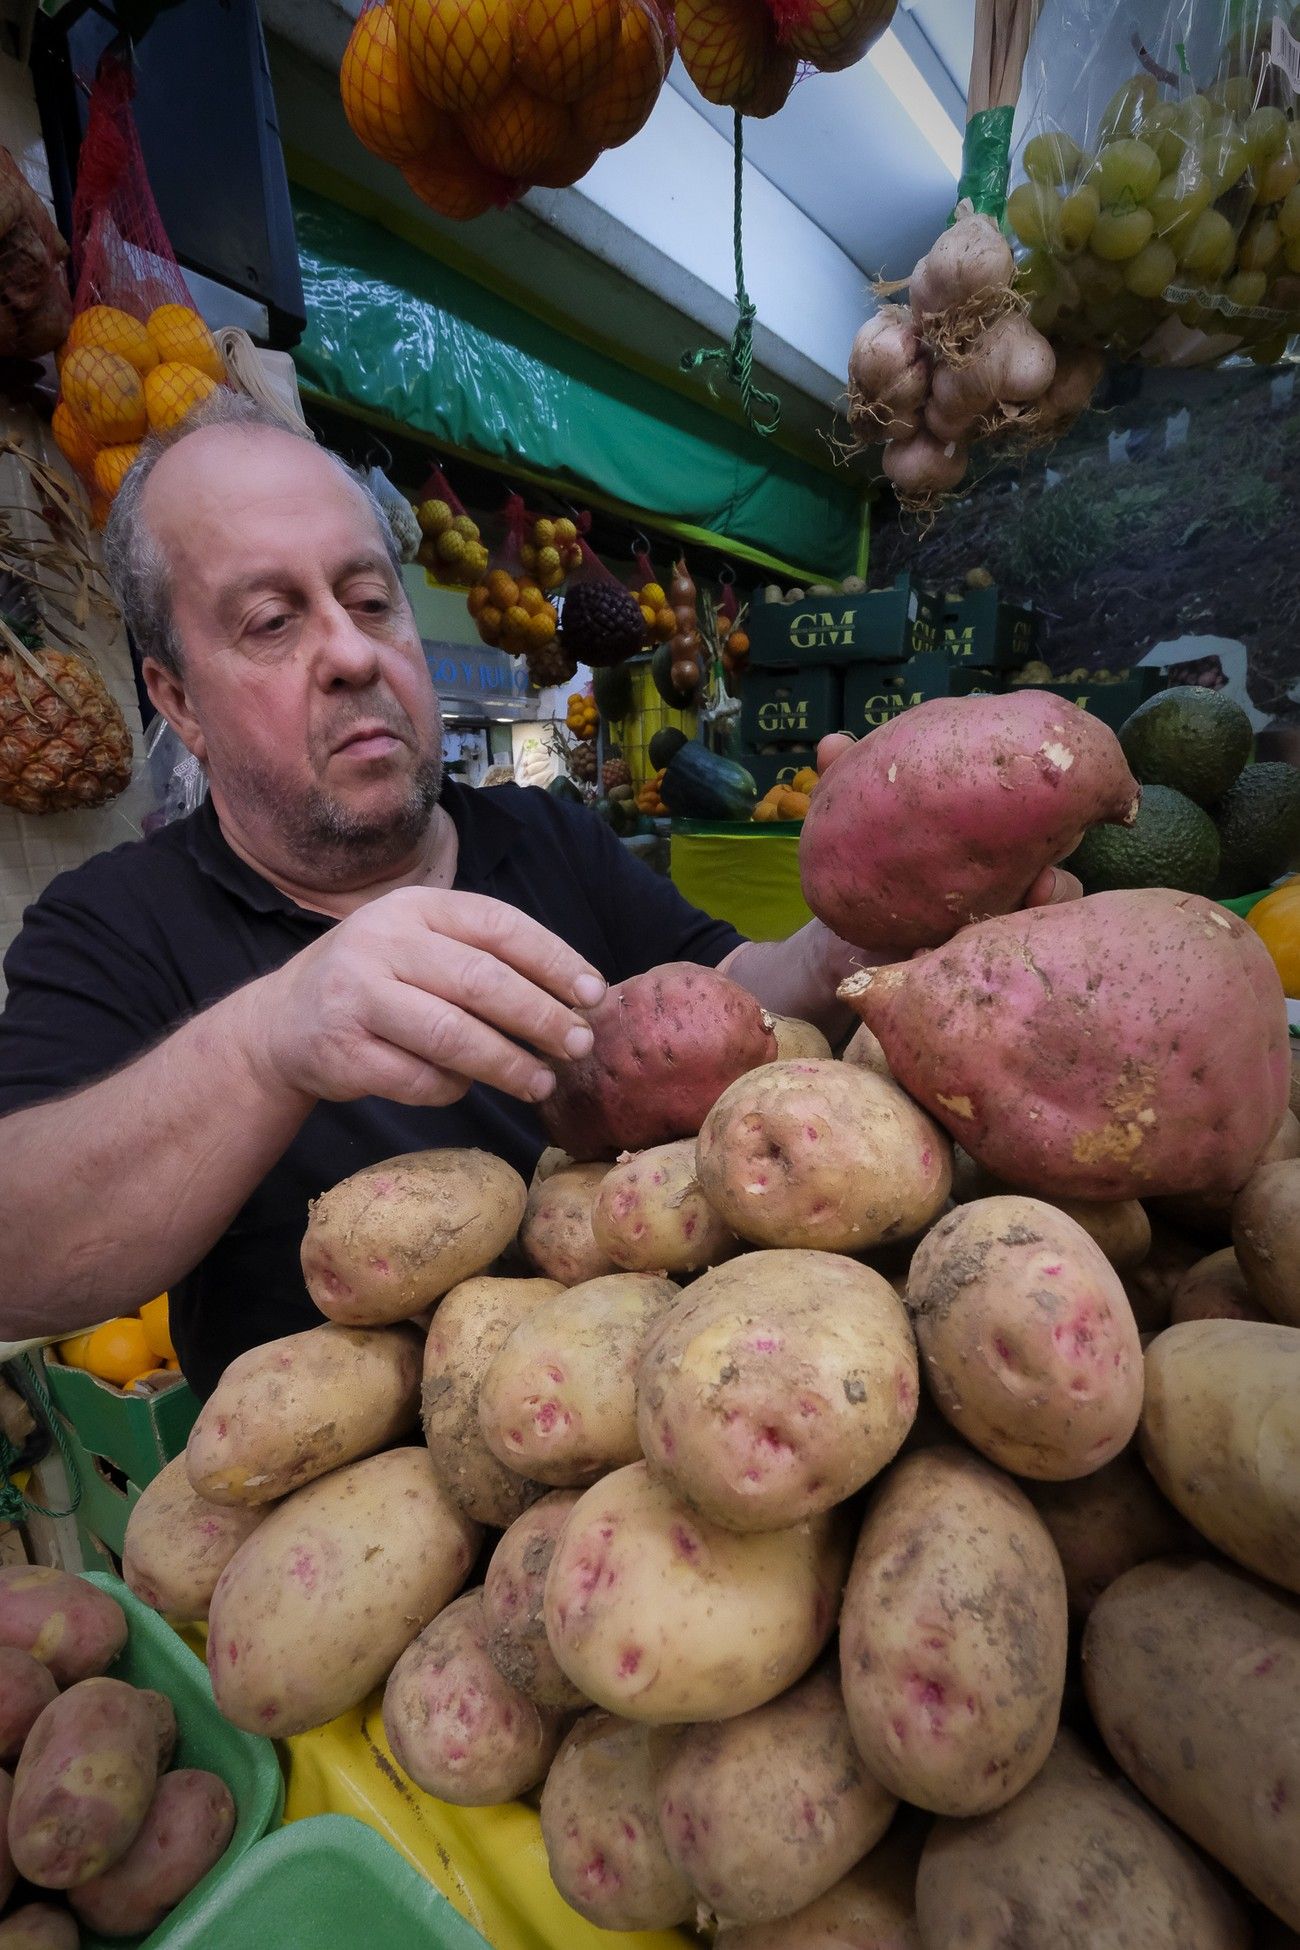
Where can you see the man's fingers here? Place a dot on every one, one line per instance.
(512, 937)
(490, 990)
(450, 1039)
(1053, 886)
(833, 746)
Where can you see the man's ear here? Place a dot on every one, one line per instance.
(169, 696)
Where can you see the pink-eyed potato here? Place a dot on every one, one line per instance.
(1118, 1046)
(667, 1044)
(556, 1237)
(1221, 1435)
(72, 1627)
(953, 1635)
(776, 1387)
(558, 1403)
(165, 1730)
(1029, 1342)
(8, 1873)
(315, 1607)
(390, 1240)
(1081, 1863)
(39, 1926)
(795, 1037)
(178, 1543)
(513, 1609)
(1215, 1289)
(26, 1689)
(659, 1615)
(1209, 1214)
(763, 1813)
(471, 1326)
(292, 1409)
(84, 1782)
(1119, 1226)
(1104, 1524)
(603, 1845)
(1266, 1235)
(650, 1214)
(1192, 1671)
(455, 1725)
(871, 1908)
(951, 811)
(185, 1832)
(822, 1155)
(1152, 1285)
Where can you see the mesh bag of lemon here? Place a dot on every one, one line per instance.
(451, 546)
(1156, 182)
(514, 606)
(138, 356)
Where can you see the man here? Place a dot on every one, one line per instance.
(339, 957)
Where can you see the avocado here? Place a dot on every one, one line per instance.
(1259, 828)
(666, 741)
(1173, 843)
(1191, 739)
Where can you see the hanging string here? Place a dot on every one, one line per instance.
(739, 355)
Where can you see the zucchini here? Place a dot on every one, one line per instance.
(699, 784)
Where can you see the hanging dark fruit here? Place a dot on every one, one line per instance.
(602, 623)
(551, 664)
(582, 762)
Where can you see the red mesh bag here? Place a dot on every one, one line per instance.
(35, 310)
(512, 604)
(138, 356)
(452, 547)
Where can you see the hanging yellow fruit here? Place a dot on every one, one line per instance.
(172, 390)
(459, 52)
(385, 109)
(518, 133)
(105, 394)
(111, 467)
(71, 439)
(113, 330)
(454, 183)
(729, 49)
(620, 102)
(179, 334)
(563, 50)
(568, 165)
(832, 34)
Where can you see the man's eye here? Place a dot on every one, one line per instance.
(271, 625)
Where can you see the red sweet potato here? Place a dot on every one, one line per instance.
(1114, 1047)
(950, 812)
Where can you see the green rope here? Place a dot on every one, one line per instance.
(739, 355)
(15, 1507)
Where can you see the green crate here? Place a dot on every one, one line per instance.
(875, 628)
(975, 628)
(789, 707)
(966, 681)
(154, 1656)
(326, 1880)
(1112, 703)
(138, 1434)
(873, 696)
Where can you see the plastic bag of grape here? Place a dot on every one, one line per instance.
(1156, 178)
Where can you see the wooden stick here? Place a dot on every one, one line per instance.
(1003, 30)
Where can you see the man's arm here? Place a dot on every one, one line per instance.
(114, 1192)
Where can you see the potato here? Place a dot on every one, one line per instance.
(1104, 1524)
(603, 1845)
(1215, 1289)
(659, 1615)
(186, 1830)
(767, 1811)
(865, 1051)
(651, 1216)
(513, 1594)
(1221, 1435)
(26, 1689)
(178, 1543)
(1080, 1863)
(795, 1038)
(1193, 1678)
(822, 1155)
(72, 1627)
(315, 1607)
(39, 1926)
(1266, 1234)
(293, 1409)
(8, 1873)
(558, 1403)
(470, 1328)
(1119, 1226)
(776, 1387)
(1209, 1214)
(1152, 1285)
(455, 1725)
(390, 1240)
(871, 1908)
(164, 1726)
(84, 1782)
(551, 1161)
(556, 1236)
(1029, 1342)
(953, 1635)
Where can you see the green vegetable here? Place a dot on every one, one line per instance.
(663, 745)
(1173, 843)
(1259, 828)
(1191, 739)
(698, 784)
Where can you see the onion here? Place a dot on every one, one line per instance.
(884, 352)
(923, 466)
(964, 262)
(947, 426)
(1010, 362)
(960, 391)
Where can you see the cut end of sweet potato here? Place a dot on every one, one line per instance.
(855, 985)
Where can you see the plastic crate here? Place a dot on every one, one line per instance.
(120, 1442)
(874, 628)
(327, 1881)
(154, 1656)
(787, 707)
(975, 628)
(873, 696)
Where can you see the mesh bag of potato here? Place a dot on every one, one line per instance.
(1156, 179)
(138, 356)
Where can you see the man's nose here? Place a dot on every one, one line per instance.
(345, 654)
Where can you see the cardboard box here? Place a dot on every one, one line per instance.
(789, 707)
(874, 628)
(873, 696)
(975, 628)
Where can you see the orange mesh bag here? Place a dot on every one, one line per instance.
(512, 604)
(451, 548)
(35, 310)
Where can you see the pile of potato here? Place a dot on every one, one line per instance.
(89, 1809)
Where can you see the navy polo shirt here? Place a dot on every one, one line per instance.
(125, 948)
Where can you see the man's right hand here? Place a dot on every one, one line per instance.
(419, 994)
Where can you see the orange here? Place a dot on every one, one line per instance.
(177, 332)
(72, 1352)
(118, 1351)
(105, 395)
(113, 330)
(455, 186)
(518, 133)
(832, 34)
(562, 47)
(726, 47)
(568, 165)
(111, 467)
(385, 109)
(459, 52)
(71, 439)
(172, 390)
(619, 104)
(157, 1327)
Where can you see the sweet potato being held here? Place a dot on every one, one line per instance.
(1113, 1047)
(950, 812)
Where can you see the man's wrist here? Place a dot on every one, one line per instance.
(243, 1030)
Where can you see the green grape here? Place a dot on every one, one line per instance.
(1194, 116)
(1128, 108)
(1079, 212)
(1125, 173)
(1247, 287)
(1264, 133)
(1036, 275)
(1170, 142)
(1288, 217)
(1259, 245)
(1034, 213)
(1236, 94)
(1277, 179)
(1210, 246)
(1291, 254)
(1096, 280)
(1180, 198)
(1225, 160)
(1117, 235)
(1147, 274)
(1044, 312)
(1053, 159)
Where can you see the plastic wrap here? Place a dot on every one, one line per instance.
(1156, 179)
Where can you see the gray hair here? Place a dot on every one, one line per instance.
(136, 564)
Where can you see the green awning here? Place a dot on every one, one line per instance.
(397, 333)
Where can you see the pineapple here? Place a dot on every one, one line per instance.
(64, 749)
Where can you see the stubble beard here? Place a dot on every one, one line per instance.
(333, 843)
